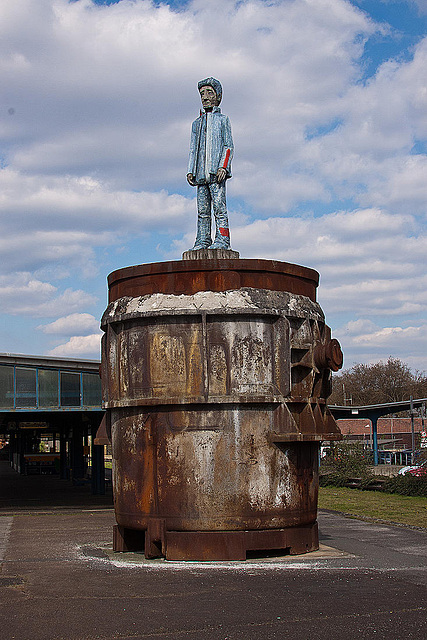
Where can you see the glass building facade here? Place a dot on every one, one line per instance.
(24, 387)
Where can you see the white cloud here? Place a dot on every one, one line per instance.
(357, 327)
(111, 88)
(369, 260)
(273, 191)
(118, 100)
(369, 154)
(69, 201)
(81, 323)
(400, 185)
(364, 341)
(60, 220)
(95, 113)
(388, 336)
(79, 346)
(24, 295)
(421, 4)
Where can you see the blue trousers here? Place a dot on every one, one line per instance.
(211, 197)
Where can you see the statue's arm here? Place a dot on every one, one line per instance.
(227, 151)
(192, 155)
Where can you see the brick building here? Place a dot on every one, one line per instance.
(397, 431)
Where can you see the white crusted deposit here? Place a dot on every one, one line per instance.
(246, 299)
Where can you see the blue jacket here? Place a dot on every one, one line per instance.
(211, 146)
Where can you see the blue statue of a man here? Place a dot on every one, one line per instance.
(209, 166)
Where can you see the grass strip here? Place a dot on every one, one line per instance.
(375, 504)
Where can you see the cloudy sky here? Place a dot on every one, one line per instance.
(328, 105)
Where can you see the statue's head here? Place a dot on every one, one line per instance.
(210, 92)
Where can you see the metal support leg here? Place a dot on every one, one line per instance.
(98, 470)
(375, 439)
(77, 457)
(63, 456)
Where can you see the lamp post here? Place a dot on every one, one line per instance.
(412, 430)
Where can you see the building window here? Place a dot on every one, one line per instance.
(91, 390)
(25, 387)
(70, 389)
(6, 387)
(48, 388)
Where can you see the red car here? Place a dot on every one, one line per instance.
(418, 472)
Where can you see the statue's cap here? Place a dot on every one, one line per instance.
(214, 83)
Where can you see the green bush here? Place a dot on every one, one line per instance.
(348, 461)
(333, 480)
(406, 485)
(345, 461)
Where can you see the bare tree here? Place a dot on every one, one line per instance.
(389, 381)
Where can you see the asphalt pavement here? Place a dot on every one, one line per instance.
(60, 580)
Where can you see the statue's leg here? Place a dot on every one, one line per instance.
(222, 236)
(203, 238)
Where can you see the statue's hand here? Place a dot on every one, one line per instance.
(220, 174)
(190, 179)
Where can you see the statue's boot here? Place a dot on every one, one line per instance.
(203, 239)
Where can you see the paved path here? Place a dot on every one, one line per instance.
(59, 580)
(39, 492)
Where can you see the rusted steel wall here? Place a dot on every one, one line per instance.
(191, 276)
(216, 403)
